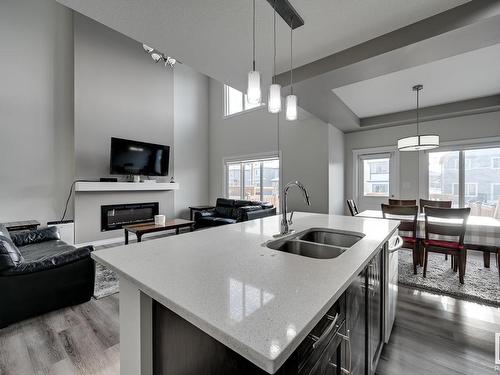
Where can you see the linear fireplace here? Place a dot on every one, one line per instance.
(115, 216)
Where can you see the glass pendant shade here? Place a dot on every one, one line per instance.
(254, 94)
(274, 102)
(291, 107)
(418, 142)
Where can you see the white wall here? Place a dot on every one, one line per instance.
(304, 145)
(36, 109)
(191, 138)
(458, 128)
(336, 171)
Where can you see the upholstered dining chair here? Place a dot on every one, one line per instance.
(407, 228)
(428, 203)
(352, 207)
(402, 202)
(444, 233)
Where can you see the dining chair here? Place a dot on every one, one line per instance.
(444, 233)
(402, 202)
(352, 207)
(407, 228)
(429, 203)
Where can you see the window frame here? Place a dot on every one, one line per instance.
(225, 104)
(248, 159)
(493, 162)
(371, 157)
(493, 184)
(461, 146)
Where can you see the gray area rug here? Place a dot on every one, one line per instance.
(481, 284)
(106, 282)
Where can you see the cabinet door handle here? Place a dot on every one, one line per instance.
(347, 338)
(319, 340)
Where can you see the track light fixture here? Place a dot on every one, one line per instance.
(158, 56)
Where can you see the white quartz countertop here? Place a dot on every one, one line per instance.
(259, 302)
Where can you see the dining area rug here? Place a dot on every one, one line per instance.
(481, 284)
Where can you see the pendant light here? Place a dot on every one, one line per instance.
(291, 100)
(274, 100)
(254, 94)
(418, 142)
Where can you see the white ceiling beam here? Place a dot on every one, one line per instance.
(437, 112)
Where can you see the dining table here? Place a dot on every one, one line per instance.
(481, 232)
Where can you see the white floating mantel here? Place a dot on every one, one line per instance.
(125, 186)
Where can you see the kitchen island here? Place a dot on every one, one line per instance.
(258, 303)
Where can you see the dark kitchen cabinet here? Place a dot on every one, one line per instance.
(364, 318)
(347, 340)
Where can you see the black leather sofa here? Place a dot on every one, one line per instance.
(41, 273)
(229, 211)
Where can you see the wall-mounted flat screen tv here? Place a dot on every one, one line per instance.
(138, 158)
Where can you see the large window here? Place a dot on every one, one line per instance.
(235, 101)
(256, 180)
(467, 177)
(376, 177)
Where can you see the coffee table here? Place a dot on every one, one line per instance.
(140, 229)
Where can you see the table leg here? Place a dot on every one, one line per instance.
(191, 214)
(486, 258)
(126, 237)
(177, 230)
(139, 237)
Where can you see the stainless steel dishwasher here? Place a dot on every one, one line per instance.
(391, 283)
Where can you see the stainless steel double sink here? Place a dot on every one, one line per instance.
(320, 243)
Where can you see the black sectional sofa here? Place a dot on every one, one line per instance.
(41, 273)
(229, 211)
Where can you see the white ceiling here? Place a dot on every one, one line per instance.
(214, 37)
(466, 76)
(334, 25)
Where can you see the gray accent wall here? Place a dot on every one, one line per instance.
(119, 92)
(36, 109)
(191, 138)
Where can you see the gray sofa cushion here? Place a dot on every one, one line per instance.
(36, 236)
(10, 257)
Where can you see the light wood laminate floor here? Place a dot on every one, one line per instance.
(432, 335)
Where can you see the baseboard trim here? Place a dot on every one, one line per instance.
(106, 241)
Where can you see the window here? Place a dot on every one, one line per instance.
(443, 176)
(376, 177)
(235, 101)
(470, 189)
(495, 190)
(495, 163)
(256, 180)
(473, 184)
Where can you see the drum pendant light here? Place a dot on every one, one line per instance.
(418, 142)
